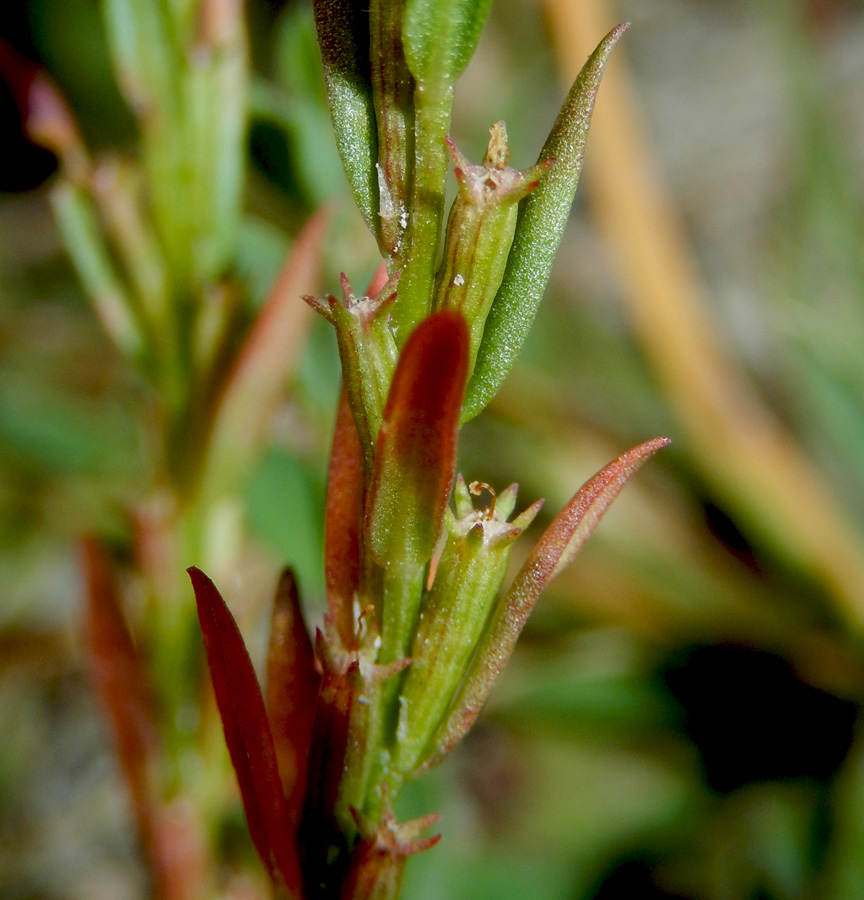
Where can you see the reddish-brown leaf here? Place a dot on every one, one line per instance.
(415, 459)
(248, 735)
(291, 692)
(254, 387)
(343, 521)
(45, 115)
(320, 833)
(559, 544)
(121, 683)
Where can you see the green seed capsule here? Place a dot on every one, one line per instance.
(480, 231)
(453, 616)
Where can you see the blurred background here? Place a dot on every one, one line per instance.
(681, 718)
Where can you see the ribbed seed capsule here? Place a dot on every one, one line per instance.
(453, 616)
(480, 231)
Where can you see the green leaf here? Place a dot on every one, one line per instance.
(214, 116)
(441, 37)
(79, 227)
(341, 36)
(138, 38)
(540, 227)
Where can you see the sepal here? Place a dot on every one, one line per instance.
(378, 861)
(480, 230)
(367, 351)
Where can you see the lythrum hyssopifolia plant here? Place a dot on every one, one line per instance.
(418, 624)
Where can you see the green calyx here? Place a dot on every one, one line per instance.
(480, 231)
(367, 352)
(453, 615)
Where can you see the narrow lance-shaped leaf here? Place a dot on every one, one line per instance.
(343, 37)
(540, 226)
(120, 679)
(414, 466)
(78, 222)
(253, 389)
(559, 544)
(291, 692)
(415, 460)
(343, 523)
(322, 833)
(247, 734)
(142, 52)
(214, 120)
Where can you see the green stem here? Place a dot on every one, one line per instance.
(418, 256)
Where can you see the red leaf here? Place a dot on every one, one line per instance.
(343, 523)
(415, 459)
(120, 680)
(45, 115)
(247, 734)
(291, 693)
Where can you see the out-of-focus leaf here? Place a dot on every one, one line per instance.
(79, 227)
(138, 38)
(62, 436)
(542, 217)
(296, 104)
(284, 504)
(120, 679)
(214, 116)
(254, 387)
(248, 735)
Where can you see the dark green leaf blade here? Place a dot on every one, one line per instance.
(542, 218)
(342, 33)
